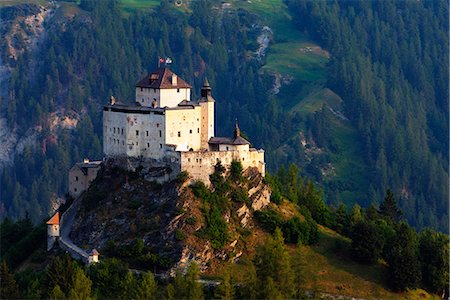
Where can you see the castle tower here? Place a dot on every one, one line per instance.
(162, 88)
(207, 123)
(52, 230)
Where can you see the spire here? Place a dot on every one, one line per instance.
(206, 89)
(237, 131)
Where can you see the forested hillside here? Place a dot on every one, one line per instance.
(388, 63)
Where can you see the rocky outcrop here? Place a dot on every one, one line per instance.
(122, 206)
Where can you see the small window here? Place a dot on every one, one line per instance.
(137, 132)
(178, 90)
(122, 131)
(179, 133)
(189, 160)
(198, 130)
(76, 178)
(142, 89)
(157, 124)
(114, 129)
(148, 145)
(75, 189)
(160, 146)
(227, 148)
(154, 90)
(190, 130)
(147, 132)
(160, 133)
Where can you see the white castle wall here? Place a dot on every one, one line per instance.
(183, 128)
(145, 96)
(163, 97)
(172, 97)
(207, 123)
(134, 134)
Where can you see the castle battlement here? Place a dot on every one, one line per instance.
(165, 120)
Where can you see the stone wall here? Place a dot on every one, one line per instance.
(200, 164)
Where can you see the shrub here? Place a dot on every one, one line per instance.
(269, 219)
(180, 235)
(182, 177)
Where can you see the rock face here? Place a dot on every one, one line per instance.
(121, 207)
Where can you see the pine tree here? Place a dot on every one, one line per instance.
(57, 294)
(389, 209)
(147, 287)
(8, 287)
(194, 289)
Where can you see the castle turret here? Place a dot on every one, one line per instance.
(206, 90)
(52, 230)
(207, 103)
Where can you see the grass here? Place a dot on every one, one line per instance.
(139, 4)
(329, 269)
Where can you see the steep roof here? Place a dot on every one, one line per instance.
(235, 140)
(54, 220)
(161, 78)
(94, 252)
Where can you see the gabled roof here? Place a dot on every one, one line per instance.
(161, 78)
(54, 220)
(94, 252)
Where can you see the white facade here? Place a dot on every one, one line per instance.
(152, 97)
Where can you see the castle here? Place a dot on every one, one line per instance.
(165, 126)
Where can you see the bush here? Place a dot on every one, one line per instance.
(182, 177)
(269, 219)
(240, 195)
(180, 235)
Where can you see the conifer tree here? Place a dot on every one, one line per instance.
(147, 287)
(8, 287)
(389, 209)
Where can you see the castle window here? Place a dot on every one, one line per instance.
(190, 131)
(122, 131)
(141, 89)
(147, 132)
(157, 124)
(200, 160)
(196, 160)
(227, 148)
(179, 133)
(114, 129)
(160, 146)
(189, 160)
(148, 145)
(75, 189)
(137, 132)
(76, 178)
(198, 130)
(178, 90)
(160, 133)
(154, 90)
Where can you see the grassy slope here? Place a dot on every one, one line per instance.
(293, 54)
(329, 269)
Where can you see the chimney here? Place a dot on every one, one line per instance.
(174, 79)
(112, 100)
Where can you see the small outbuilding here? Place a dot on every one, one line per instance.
(81, 176)
(93, 256)
(52, 230)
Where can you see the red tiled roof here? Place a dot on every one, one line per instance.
(54, 220)
(161, 78)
